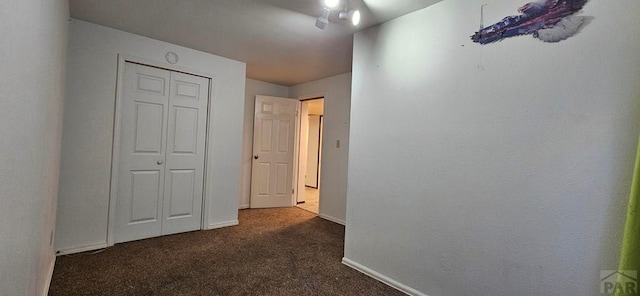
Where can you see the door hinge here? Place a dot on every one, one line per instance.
(293, 191)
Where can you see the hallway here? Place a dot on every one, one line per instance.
(311, 200)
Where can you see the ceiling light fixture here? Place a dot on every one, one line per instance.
(331, 3)
(353, 16)
(323, 20)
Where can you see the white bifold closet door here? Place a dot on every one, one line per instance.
(161, 155)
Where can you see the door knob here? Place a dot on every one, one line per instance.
(255, 157)
(159, 162)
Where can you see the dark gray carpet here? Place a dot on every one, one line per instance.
(272, 252)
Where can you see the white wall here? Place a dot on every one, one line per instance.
(33, 47)
(312, 175)
(492, 170)
(336, 91)
(252, 89)
(88, 129)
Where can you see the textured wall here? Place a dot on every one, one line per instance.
(32, 75)
(492, 170)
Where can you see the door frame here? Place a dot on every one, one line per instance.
(115, 154)
(296, 180)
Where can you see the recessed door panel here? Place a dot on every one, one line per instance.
(182, 195)
(284, 136)
(188, 90)
(150, 83)
(264, 173)
(145, 196)
(185, 130)
(266, 108)
(285, 109)
(266, 130)
(148, 127)
(282, 179)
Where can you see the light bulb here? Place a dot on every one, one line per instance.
(331, 3)
(355, 18)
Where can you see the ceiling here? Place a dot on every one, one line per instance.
(276, 38)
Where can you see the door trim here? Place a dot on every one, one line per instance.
(115, 154)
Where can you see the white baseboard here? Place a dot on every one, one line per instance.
(242, 207)
(332, 219)
(85, 248)
(382, 278)
(222, 224)
(47, 284)
(80, 249)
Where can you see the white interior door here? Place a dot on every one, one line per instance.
(161, 155)
(273, 143)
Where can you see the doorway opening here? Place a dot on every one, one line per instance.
(310, 154)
